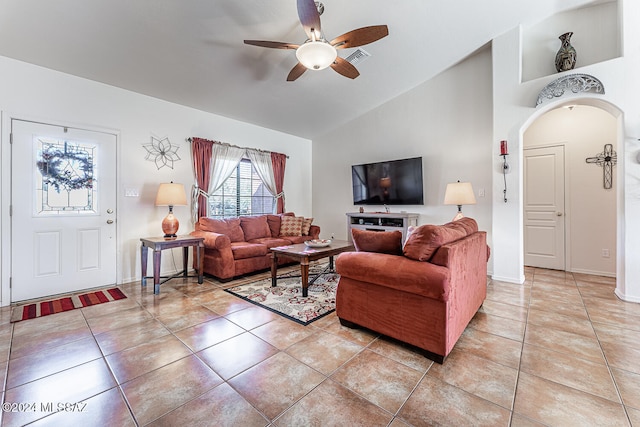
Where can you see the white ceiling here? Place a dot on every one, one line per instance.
(191, 52)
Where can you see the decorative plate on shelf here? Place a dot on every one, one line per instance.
(318, 243)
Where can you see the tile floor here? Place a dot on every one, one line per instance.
(561, 350)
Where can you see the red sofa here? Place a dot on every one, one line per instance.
(237, 246)
(424, 294)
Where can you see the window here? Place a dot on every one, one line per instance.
(66, 182)
(243, 193)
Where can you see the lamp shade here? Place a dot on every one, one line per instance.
(316, 55)
(170, 194)
(459, 193)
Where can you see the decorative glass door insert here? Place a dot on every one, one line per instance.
(66, 177)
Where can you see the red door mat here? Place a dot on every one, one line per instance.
(45, 308)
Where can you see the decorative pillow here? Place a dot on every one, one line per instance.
(255, 227)
(385, 242)
(229, 227)
(410, 230)
(274, 224)
(426, 239)
(291, 225)
(306, 225)
(468, 224)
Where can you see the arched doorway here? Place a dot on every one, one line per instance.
(582, 218)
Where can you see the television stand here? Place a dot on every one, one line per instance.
(381, 221)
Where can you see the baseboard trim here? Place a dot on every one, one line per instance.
(125, 281)
(626, 298)
(508, 279)
(593, 272)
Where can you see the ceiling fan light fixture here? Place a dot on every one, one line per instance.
(316, 55)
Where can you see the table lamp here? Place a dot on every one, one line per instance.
(459, 193)
(170, 194)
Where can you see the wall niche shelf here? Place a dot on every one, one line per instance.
(597, 37)
(381, 221)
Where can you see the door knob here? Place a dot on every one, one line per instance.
(558, 213)
(109, 221)
(109, 211)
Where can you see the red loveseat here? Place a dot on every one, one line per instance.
(424, 294)
(237, 246)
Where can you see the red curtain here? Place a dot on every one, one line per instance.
(279, 161)
(202, 152)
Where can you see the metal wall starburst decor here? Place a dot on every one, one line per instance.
(607, 160)
(162, 152)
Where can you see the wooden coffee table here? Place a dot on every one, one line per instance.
(304, 254)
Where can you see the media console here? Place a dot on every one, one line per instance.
(381, 221)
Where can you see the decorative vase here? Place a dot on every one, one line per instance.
(566, 56)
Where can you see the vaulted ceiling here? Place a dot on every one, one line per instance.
(191, 52)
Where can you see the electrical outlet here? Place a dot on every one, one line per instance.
(605, 253)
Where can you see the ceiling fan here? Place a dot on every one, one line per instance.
(316, 53)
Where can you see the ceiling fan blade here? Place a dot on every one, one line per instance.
(296, 72)
(344, 67)
(360, 37)
(309, 18)
(273, 45)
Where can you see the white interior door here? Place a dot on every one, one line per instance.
(63, 201)
(544, 214)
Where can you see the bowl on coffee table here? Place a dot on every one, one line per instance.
(318, 243)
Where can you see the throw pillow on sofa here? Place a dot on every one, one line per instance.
(274, 222)
(426, 239)
(255, 227)
(230, 227)
(291, 226)
(468, 224)
(306, 226)
(385, 242)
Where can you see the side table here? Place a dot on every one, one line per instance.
(158, 244)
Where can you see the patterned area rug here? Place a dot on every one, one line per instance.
(45, 308)
(286, 299)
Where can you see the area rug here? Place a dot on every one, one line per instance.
(286, 299)
(45, 308)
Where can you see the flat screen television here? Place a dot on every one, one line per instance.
(396, 182)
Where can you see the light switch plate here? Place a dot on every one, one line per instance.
(131, 192)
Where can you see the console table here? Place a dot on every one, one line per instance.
(158, 244)
(381, 221)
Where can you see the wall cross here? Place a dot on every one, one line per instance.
(607, 159)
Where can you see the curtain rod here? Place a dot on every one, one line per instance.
(237, 146)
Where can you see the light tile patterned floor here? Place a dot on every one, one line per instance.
(560, 350)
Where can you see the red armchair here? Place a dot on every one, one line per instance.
(424, 297)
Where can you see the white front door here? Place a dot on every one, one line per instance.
(63, 201)
(544, 215)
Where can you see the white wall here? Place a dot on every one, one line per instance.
(591, 211)
(514, 111)
(446, 120)
(31, 92)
